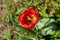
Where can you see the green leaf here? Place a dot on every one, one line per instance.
(46, 25)
(20, 10)
(7, 34)
(20, 37)
(49, 30)
(43, 11)
(42, 22)
(58, 33)
(57, 14)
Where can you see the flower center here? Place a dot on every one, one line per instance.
(29, 19)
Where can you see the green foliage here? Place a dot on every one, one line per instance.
(58, 34)
(58, 13)
(48, 24)
(7, 34)
(43, 11)
(20, 37)
(20, 10)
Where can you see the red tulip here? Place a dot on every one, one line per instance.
(28, 18)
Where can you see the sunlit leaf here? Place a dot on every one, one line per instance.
(46, 25)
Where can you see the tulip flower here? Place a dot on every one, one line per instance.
(28, 18)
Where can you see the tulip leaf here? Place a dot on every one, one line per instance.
(46, 25)
(41, 23)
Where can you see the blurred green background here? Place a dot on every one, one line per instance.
(48, 27)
